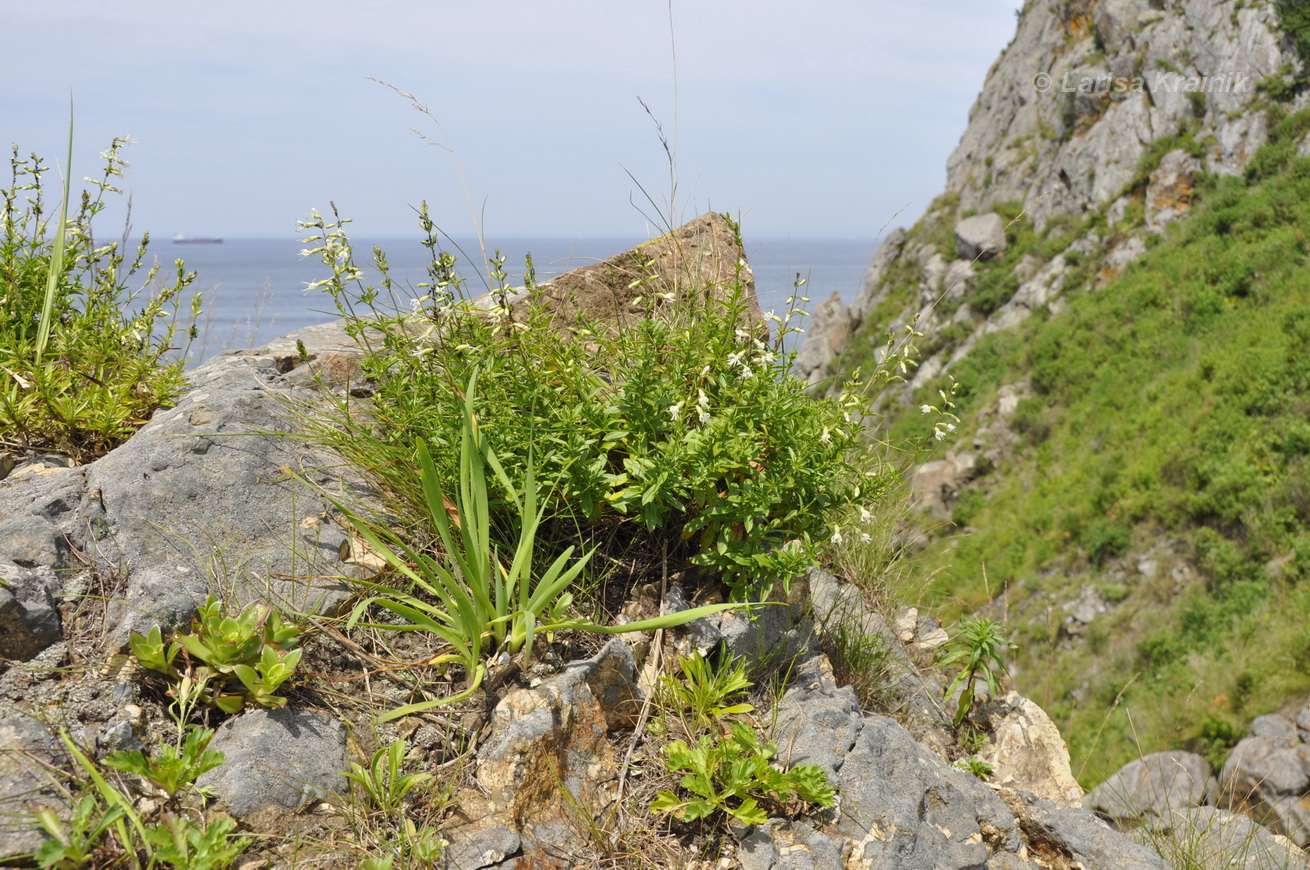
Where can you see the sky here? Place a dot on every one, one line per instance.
(829, 118)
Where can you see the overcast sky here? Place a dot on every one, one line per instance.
(812, 119)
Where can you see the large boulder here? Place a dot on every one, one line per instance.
(701, 260)
(1026, 750)
(1268, 778)
(545, 761)
(1211, 837)
(1153, 785)
(980, 236)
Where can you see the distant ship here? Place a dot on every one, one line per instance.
(180, 239)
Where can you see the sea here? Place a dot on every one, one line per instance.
(255, 289)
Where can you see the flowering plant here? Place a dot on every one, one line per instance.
(684, 426)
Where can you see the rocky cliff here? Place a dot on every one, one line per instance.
(1109, 284)
(1096, 106)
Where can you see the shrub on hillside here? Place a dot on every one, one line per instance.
(682, 433)
(84, 358)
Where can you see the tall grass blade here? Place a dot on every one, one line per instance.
(55, 269)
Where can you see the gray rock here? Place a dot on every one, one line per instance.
(1273, 725)
(980, 236)
(1267, 778)
(784, 845)
(28, 751)
(1153, 786)
(198, 502)
(547, 759)
(1169, 193)
(1210, 837)
(29, 615)
(769, 638)
(817, 722)
(45, 516)
(1076, 836)
(873, 291)
(475, 850)
(277, 759)
(1303, 723)
(826, 334)
(902, 807)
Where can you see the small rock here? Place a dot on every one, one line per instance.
(277, 759)
(980, 236)
(1027, 751)
(1153, 786)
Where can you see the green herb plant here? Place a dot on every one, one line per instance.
(976, 766)
(73, 844)
(469, 598)
(382, 781)
(226, 661)
(683, 428)
(78, 372)
(171, 768)
(381, 814)
(704, 693)
(107, 830)
(978, 648)
(733, 775)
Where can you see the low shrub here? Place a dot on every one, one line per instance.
(85, 359)
(680, 434)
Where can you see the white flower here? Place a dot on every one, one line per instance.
(864, 538)
(865, 515)
(925, 409)
(675, 411)
(939, 434)
(836, 536)
(825, 437)
(417, 303)
(950, 427)
(745, 373)
(703, 416)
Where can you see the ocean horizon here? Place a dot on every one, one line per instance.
(254, 288)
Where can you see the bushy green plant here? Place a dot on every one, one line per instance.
(179, 842)
(978, 648)
(84, 358)
(704, 691)
(227, 661)
(684, 424)
(732, 774)
(382, 780)
(176, 840)
(171, 768)
(73, 843)
(468, 597)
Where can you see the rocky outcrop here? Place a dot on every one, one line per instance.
(1267, 776)
(1082, 96)
(704, 256)
(904, 807)
(1153, 786)
(979, 236)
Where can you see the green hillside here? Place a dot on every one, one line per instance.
(1162, 459)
